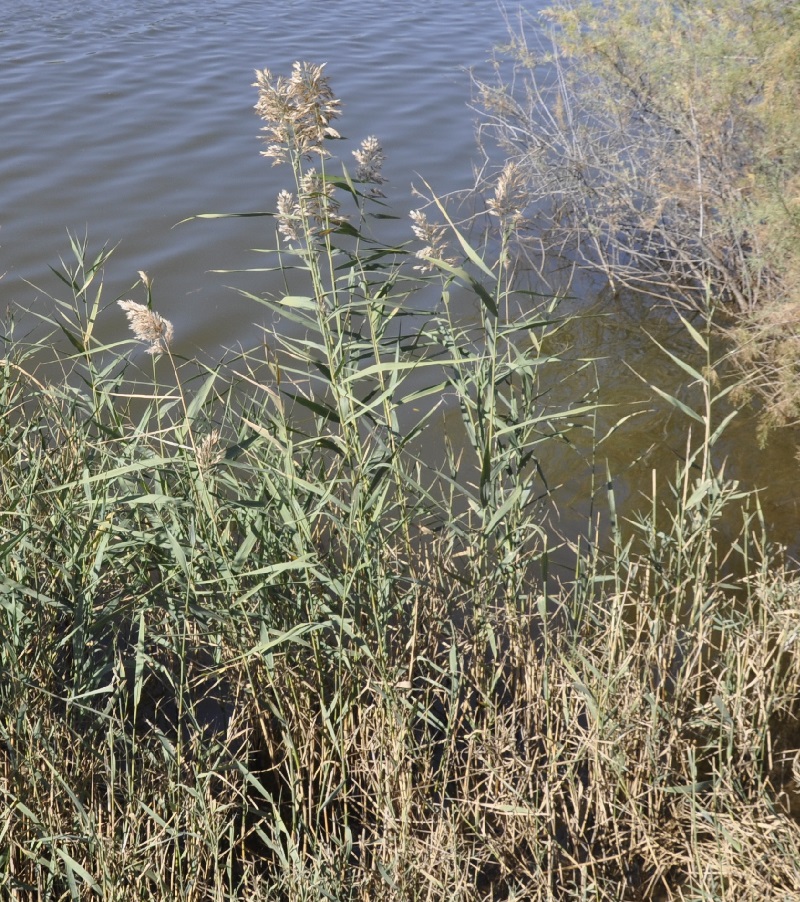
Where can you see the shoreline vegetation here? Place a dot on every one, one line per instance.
(658, 142)
(256, 645)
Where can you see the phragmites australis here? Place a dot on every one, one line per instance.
(433, 236)
(509, 199)
(319, 203)
(148, 326)
(297, 110)
(208, 451)
(313, 210)
(288, 216)
(370, 159)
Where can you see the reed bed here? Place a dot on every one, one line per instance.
(257, 644)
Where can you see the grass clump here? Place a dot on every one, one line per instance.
(258, 642)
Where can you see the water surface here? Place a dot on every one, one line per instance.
(126, 118)
(121, 119)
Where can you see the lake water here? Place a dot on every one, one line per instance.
(125, 118)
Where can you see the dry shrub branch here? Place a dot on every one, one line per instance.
(660, 144)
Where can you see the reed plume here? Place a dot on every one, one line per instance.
(433, 236)
(297, 111)
(208, 452)
(509, 200)
(148, 326)
(287, 215)
(370, 159)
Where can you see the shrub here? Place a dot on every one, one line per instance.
(658, 143)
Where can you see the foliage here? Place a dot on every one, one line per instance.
(660, 142)
(257, 644)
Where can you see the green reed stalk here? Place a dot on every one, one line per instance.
(255, 644)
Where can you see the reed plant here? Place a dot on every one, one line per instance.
(259, 641)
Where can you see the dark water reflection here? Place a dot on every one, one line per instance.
(622, 335)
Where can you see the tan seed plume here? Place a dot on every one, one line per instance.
(288, 216)
(510, 196)
(208, 452)
(148, 326)
(297, 111)
(370, 159)
(433, 234)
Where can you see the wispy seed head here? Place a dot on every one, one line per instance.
(288, 215)
(433, 235)
(317, 201)
(370, 159)
(148, 326)
(297, 111)
(509, 198)
(208, 452)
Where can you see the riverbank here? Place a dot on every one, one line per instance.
(257, 645)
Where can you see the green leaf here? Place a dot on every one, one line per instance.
(460, 273)
(317, 407)
(74, 868)
(694, 333)
(223, 216)
(671, 399)
(677, 360)
(299, 302)
(465, 245)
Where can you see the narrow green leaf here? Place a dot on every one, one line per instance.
(199, 399)
(677, 360)
(465, 245)
(317, 407)
(298, 302)
(694, 333)
(73, 867)
(671, 399)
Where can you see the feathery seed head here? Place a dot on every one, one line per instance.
(509, 198)
(288, 215)
(370, 159)
(148, 326)
(317, 201)
(297, 111)
(433, 235)
(208, 452)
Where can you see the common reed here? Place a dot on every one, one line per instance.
(257, 644)
(148, 326)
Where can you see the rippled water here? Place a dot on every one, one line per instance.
(124, 118)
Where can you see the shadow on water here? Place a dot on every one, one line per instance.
(636, 436)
